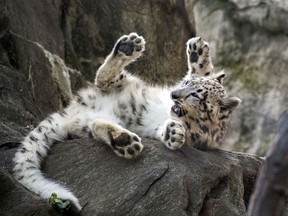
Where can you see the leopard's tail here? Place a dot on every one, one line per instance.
(33, 150)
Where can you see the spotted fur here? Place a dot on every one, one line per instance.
(203, 108)
(120, 108)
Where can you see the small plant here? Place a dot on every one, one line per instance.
(58, 203)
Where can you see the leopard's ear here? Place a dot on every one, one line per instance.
(219, 76)
(229, 103)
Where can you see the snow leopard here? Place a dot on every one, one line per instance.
(120, 108)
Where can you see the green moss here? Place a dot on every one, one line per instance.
(244, 143)
(246, 74)
(265, 141)
(225, 5)
(233, 186)
(248, 78)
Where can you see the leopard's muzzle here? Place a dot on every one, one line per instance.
(177, 110)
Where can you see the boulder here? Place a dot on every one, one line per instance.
(159, 182)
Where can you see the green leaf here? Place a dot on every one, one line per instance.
(59, 203)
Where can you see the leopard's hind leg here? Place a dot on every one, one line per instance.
(111, 74)
(123, 142)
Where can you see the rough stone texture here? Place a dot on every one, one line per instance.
(248, 40)
(33, 21)
(16, 106)
(34, 45)
(84, 32)
(16, 200)
(91, 29)
(159, 182)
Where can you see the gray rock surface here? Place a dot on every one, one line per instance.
(159, 182)
(91, 29)
(17, 108)
(16, 200)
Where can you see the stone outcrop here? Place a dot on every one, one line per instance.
(159, 182)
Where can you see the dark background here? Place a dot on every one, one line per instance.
(41, 42)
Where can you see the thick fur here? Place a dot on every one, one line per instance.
(121, 107)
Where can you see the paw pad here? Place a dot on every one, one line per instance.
(130, 45)
(174, 134)
(195, 48)
(199, 56)
(127, 145)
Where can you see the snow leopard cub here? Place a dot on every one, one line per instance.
(120, 108)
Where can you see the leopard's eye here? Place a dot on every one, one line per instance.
(193, 94)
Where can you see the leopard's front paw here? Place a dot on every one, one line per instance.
(130, 46)
(199, 56)
(173, 135)
(126, 144)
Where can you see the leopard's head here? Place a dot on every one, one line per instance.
(204, 108)
(203, 97)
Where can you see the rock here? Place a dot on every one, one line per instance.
(80, 32)
(91, 29)
(51, 83)
(16, 106)
(159, 182)
(5, 24)
(267, 199)
(35, 45)
(16, 200)
(248, 40)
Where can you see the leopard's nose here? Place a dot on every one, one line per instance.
(174, 96)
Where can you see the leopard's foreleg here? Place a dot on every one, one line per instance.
(173, 135)
(198, 57)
